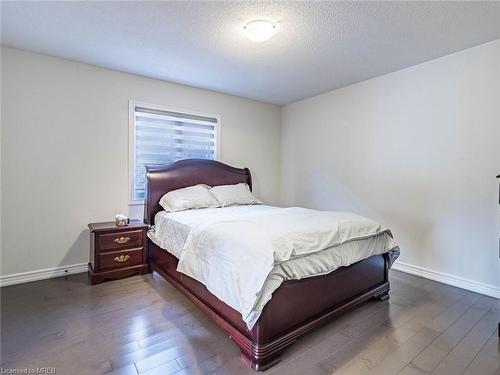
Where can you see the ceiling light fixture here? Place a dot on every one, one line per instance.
(260, 30)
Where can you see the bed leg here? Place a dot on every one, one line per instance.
(384, 296)
(262, 364)
(263, 358)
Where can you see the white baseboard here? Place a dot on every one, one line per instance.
(460, 282)
(48, 273)
(445, 278)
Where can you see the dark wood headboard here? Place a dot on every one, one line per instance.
(184, 173)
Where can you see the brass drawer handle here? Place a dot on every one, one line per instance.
(122, 258)
(122, 240)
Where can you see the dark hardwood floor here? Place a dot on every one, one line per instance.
(143, 325)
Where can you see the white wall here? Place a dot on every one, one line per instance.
(65, 151)
(417, 149)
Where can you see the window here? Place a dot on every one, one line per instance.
(159, 136)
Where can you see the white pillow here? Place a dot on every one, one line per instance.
(187, 198)
(229, 195)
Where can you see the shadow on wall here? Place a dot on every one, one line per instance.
(390, 207)
(78, 252)
(327, 192)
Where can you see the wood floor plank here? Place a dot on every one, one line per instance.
(345, 354)
(198, 365)
(157, 366)
(492, 346)
(436, 351)
(395, 350)
(363, 337)
(484, 364)
(126, 370)
(403, 355)
(464, 353)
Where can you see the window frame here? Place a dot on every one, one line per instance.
(132, 104)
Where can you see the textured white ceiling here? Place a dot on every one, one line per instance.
(320, 46)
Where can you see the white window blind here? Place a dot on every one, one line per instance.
(162, 137)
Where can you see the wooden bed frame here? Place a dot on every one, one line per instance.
(296, 308)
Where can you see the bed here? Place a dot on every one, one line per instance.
(296, 306)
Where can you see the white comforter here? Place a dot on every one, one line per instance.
(236, 253)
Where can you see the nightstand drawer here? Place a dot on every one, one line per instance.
(118, 259)
(119, 240)
(117, 252)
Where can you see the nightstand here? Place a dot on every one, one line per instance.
(117, 252)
